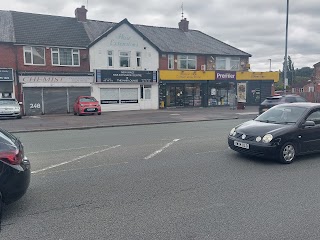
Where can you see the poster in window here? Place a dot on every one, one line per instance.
(242, 92)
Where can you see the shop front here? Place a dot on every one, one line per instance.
(119, 90)
(6, 83)
(214, 88)
(53, 94)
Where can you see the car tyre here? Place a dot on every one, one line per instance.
(19, 117)
(99, 113)
(288, 153)
(75, 113)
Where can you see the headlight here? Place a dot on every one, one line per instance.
(258, 139)
(267, 138)
(232, 132)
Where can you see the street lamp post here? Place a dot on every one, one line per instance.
(286, 51)
(270, 64)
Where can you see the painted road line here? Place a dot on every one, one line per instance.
(67, 149)
(161, 149)
(76, 159)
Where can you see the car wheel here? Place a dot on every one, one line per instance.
(19, 117)
(99, 113)
(288, 153)
(75, 113)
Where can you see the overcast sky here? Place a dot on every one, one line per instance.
(255, 26)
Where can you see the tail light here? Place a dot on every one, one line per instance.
(13, 157)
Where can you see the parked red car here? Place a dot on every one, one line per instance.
(86, 105)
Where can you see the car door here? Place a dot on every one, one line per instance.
(310, 136)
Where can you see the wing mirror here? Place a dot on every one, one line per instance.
(309, 124)
(20, 103)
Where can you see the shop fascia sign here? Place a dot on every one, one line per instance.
(186, 75)
(123, 40)
(225, 75)
(6, 74)
(55, 79)
(125, 76)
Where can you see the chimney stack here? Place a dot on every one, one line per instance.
(81, 14)
(184, 25)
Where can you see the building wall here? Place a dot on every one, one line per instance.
(7, 56)
(123, 38)
(48, 67)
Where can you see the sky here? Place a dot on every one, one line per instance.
(257, 27)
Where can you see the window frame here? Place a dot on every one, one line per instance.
(30, 50)
(233, 59)
(187, 58)
(128, 56)
(74, 51)
(171, 61)
(139, 57)
(221, 59)
(110, 56)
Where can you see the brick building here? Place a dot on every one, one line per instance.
(125, 66)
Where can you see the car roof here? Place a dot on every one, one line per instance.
(85, 97)
(301, 104)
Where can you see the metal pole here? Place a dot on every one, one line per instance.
(270, 65)
(286, 51)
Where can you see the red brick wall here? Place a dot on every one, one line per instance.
(317, 71)
(84, 63)
(7, 56)
(163, 62)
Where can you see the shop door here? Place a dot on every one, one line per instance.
(75, 92)
(176, 96)
(147, 102)
(55, 100)
(32, 101)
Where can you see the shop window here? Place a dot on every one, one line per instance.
(170, 61)
(128, 95)
(124, 59)
(138, 55)
(109, 96)
(147, 92)
(110, 58)
(188, 62)
(65, 57)
(221, 63)
(34, 55)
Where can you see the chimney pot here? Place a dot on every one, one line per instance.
(184, 25)
(81, 14)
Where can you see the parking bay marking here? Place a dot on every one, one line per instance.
(161, 149)
(75, 159)
(67, 149)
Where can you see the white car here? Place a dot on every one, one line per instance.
(10, 107)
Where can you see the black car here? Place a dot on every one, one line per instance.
(282, 132)
(14, 169)
(275, 100)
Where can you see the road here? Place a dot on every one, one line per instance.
(170, 181)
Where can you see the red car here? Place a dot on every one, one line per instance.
(86, 105)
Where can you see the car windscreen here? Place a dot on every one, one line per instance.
(282, 114)
(87, 99)
(272, 101)
(7, 101)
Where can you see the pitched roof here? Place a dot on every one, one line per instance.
(171, 40)
(6, 27)
(49, 30)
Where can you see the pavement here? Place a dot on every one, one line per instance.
(124, 118)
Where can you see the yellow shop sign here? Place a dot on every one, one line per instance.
(186, 75)
(258, 76)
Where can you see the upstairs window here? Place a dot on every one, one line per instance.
(138, 59)
(110, 58)
(221, 63)
(235, 63)
(34, 55)
(170, 61)
(188, 62)
(124, 59)
(65, 57)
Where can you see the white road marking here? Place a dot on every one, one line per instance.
(73, 160)
(161, 149)
(175, 114)
(67, 149)
(84, 168)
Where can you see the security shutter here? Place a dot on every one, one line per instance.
(55, 100)
(32, 101)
